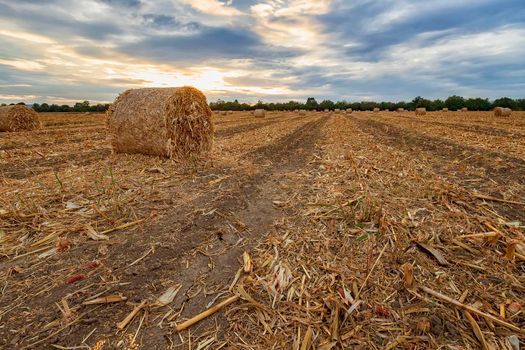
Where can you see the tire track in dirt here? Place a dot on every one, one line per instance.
(514, 167)
(227, 132)
(243, 197)
(45, 143)
(470, 128)
(509, 170)
(32, 167)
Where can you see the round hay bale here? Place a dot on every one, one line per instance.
(18, 118)
(464, 109)
(421, 111)
(224, 113)
(376, 110)
(302, 112)
(502, 112)
(400, 109)
(259, 113)
(169, 122)
(349, 110)
(326, 110)
(445, 109)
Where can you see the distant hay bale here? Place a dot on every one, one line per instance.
(421, 111)
(18, 118)
(376, 110)
(230, 112)
(302, 112)
(296, 110)
(445, 109)
(224, 113)
(502, 112)
(464, 109)
(259, 113)
(326, 110)
(169, 122)
(349, 110)
(400, 109)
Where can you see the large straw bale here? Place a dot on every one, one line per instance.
(376, 110)
(349, 110)
(445, 109)
(502, 112)
(18, 118)
(400, 109)
(421, 111)
(259, 113)
(464, 109)
(170, 122)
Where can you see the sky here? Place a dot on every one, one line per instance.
(63, 51)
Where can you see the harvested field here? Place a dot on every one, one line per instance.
(312, 225)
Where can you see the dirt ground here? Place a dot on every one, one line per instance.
(314, 223)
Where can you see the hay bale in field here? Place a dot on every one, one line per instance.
(464, 109)
(224, 113)
(421, 111)
(302, 112)
(18, 118)
(169, 122)
(445, 110)
(400, 109)
(376, 110)
(502, 112)
(337, 111)
(259, 113)
(349, 110)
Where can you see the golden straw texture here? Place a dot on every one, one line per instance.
(170, 122)
(18, 118)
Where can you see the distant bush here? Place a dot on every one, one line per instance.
(452, 103)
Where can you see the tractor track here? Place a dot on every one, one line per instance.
(496, 166)
(243, 197)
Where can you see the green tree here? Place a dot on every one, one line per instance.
(455, 102)
(437, 105)
(311, 103)
(327, 104)
(44, 107)
(478, 104)
(505, 102)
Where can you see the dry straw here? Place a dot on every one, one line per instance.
(421, 111)
(464, 109)
(18, 118)
(259, 113)
(349, 110)
(170, 122)
(400, 109)
(502, 112)
(445, 109)
(376, 109)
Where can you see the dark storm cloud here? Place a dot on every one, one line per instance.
(205, 45)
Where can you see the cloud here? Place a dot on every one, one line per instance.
(213, 7)
(263, 49)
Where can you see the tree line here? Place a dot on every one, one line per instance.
(452, 103)
(84, 106)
